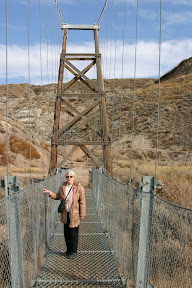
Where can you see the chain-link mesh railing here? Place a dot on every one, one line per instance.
(27, 221)
(170, 238)
(118, 209)
(171, 245)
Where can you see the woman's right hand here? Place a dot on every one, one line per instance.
(47, 191)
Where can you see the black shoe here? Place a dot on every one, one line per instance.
(66, 254)
(72, 255)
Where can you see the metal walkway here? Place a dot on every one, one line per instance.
(94, 265)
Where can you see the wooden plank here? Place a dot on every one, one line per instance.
(85, 112)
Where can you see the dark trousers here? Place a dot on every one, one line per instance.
(71, 236)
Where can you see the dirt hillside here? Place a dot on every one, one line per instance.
(134, 116)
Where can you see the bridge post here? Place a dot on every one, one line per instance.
(103, 114)
(54, 146)
(143, 253)
(14, 231)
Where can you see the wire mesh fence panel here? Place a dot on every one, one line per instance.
(118, 209)
(5, 272)
(27, 222)
(171, 246)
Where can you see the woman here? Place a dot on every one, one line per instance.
(75, 210)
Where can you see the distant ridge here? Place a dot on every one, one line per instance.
(183, 68)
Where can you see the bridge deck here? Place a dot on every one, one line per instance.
(94, 265)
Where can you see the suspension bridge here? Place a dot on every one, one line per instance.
(130, 237)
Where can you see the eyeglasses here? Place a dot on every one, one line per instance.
(69, 176)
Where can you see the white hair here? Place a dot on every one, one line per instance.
(70, 172)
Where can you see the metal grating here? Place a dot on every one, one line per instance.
(94, 265)
(87, 242)
(78, 283)
(97, 266)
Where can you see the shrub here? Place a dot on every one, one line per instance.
(3, 153)
(45, 146)
(17, 145)
(2, 148)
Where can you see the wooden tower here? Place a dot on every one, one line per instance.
(95, 99)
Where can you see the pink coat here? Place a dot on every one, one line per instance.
(78, 207)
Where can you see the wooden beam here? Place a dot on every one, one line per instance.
(81, 95)
(77, 76)
(82, 75)
(89, 154)
(67, 111)
(83, 118)
(63, 142)
(85, 112)
(80, 27)
(103, 114)
(79, 56)
(54, 148)
(66, 158)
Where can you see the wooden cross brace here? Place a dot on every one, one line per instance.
(80, 75)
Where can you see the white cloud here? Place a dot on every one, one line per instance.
(172, 53)
(147, 58)
(181, 17)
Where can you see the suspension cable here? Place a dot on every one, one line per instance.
(111, 40)
(122, 72)
(158, 106)
(114, 70)
(59, 12)
(133, 118)
(7, 98)
(47, 61)
(42, 91)
(102, 12)
(29, 80)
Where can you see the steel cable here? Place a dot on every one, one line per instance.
(122, 72)
(115, 58)
(7, 98)
(29, 86)
(59, 12)
(158, 105)
(42, 90)
(133, 118)
(102, 12)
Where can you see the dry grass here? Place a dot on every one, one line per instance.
(3, 154)
(45, 146)
(177, 186)
(14, 169)
(176, 178)
(18, 145)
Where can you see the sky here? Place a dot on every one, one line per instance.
(133, 40)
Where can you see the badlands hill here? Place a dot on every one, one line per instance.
(129, 110)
